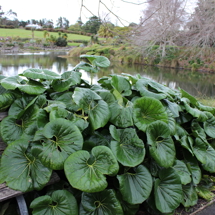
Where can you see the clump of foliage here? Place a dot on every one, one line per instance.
(124, 142)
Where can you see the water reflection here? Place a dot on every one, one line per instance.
(197, 84)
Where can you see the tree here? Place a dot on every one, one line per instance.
(106, 30)
(202, 27)
(92, 25)
(65, 23)
(60, 22)
(8, 18)
(161, 24)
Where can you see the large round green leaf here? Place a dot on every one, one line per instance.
(63, 138)
(210, 160)
(127, 147)
(148, 110)
(182, 171)
(193, 167)
(121, 115)
(136, 186)
(41, 74)
(167, 191)
(95, 60)
(161, 145)
(209, 127)
(143, 87)
(30, 87)
(11, 130)
(12, 127)
(199, 149)
(121, 84)
(21, 168)
(87, 172)
(61, 202)
(96, 108)
(6, 99)
(68, 79)
(21, 104)
(101, 203)
(190, 196)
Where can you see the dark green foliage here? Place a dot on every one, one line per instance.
(62, 42)
(92, 25)
(120, 143)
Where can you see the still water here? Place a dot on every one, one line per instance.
(197, 84)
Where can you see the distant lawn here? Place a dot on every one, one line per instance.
(22, 33)
(74, 44)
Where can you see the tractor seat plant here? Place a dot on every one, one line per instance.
(125, 141)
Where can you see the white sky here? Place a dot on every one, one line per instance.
(53, 9)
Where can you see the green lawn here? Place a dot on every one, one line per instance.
(22, 33)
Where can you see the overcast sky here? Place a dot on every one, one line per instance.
(52, 9)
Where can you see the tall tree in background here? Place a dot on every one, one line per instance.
(65, 23)
(201, 31)
(160, 25)
(8, 18)
(60, 22)
(92, 25)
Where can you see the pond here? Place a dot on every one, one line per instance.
(196, 83)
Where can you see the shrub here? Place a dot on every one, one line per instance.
(62, 42)
(123, 142)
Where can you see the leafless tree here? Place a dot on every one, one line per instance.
(160, 25)
(201, 28)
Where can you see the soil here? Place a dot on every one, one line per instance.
(199, 208)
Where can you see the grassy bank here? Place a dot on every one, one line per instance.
(176, 57)
(22, 33)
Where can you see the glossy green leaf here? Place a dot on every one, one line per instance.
(193, 167)
(121, 115)
(40, 74)
(61, 202)
(146, 111)
(190, 196)
(182, 171)
(19, 167)
(87, 172)
(167, 191)
(173, 107)
(199, 149)
(20, 105)
(6, 99)
(97, 109)
(104, 203)
(99, 61)
(210, 160)
(62, 139)
(30, 87)
(67, 99)
(209, 126)
(13, 128)
(135, 186)
(196, 113)
(161, 145)
(121, 84)
(143, 87)
(198, 131)
(127, 147)
(68, 79)
(187, 143)
(192, 99)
